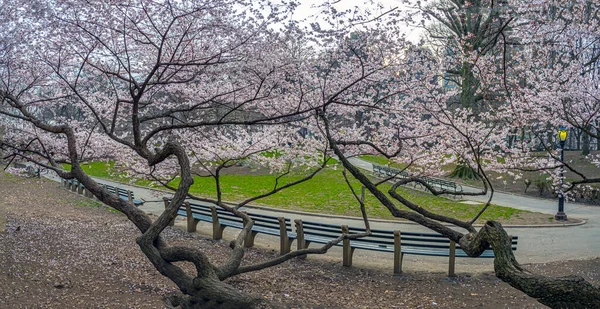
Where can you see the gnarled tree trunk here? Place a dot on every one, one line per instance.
(561, 292)
(209, 292)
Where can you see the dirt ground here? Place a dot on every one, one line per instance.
(60, 250)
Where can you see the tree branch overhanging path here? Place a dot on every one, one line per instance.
(167, 88)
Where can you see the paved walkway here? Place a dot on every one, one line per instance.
(544, 244)
(539, 245)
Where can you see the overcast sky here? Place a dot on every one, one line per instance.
(306, 9)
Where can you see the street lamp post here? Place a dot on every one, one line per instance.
(562, 137)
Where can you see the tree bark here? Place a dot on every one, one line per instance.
(585, 145)
(1, 143)
(209, 292)
(468, 87)
(597, 135)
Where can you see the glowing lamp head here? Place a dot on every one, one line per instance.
(562, 134)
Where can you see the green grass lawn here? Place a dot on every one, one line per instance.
(100, 169)
(326, 193)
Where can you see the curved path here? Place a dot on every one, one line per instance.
(536, 245)
(544, 244)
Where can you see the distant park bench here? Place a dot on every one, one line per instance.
(434, 182)
(221, 218)
(127, 195)
(30, 170)
(429, 244)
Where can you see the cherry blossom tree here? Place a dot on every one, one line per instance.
(169, 87)
(160, 87)
(442, 134)
(556, 83)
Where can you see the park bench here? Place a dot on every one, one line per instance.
(415, 243)
(127, 195)
(75, 186)
(221, 218)
(435, 182)
(30, 171)
(389, 171)
(123, 194)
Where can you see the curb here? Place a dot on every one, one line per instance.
(583, 221)
(499, 191)
(540, 198)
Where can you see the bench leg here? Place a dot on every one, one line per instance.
(217, 231)
(452, 259)
(398, 255)
(398, 263)
(192, 223)
(346, 250)
(249, 241)
(301, 243)
(285, 245)
(348, 256)
(306, 243)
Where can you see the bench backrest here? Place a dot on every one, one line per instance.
(386, 237)
(197, 209)
(333, 231)
(121, 192)
(260, 220)
(318, 229)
